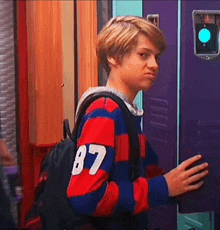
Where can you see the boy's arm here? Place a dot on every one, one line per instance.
(151, 164)
(153, 171)
(91, 191)
(89, 185)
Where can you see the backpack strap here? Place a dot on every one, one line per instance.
(66, 128)
(130, 123)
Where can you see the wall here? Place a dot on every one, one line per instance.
(68, 61)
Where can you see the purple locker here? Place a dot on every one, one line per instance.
(160, 105)
(200, 113)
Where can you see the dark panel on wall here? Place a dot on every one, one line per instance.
(160, 105)
(104, 14)
(200, 113)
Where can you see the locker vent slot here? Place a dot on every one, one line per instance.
(158, 119)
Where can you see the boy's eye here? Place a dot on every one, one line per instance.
(144, 55)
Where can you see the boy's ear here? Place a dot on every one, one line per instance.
(112, 61)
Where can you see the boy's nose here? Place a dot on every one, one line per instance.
(152, 63)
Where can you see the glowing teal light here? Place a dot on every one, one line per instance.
(204, 35)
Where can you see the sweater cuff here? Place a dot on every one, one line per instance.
(159, 194)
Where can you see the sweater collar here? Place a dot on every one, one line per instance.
(132, 107)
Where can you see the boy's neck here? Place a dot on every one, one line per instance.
(121, 88)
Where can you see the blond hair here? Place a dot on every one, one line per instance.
(120, 35)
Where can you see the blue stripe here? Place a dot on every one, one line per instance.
(86, 205)
(151, 158)
(120, 172)
(102, 113)
(158, 192)
(120, 123)
(126, 202)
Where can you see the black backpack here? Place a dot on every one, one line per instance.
(51, 209)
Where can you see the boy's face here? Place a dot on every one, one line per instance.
(139, 70)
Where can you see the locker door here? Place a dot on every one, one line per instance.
(160, 105)
(200, 113)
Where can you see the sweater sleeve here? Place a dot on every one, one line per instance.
(151, 164)
(100, 183)
(158, 192)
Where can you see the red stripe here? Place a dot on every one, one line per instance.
(35, 223)
(122, 148)
(98, 131)
(97, 104)
(108, 203)
(111, 105)
(141, 195)
(102, 103)
(142, 140)
(85, 183)
(153, 171)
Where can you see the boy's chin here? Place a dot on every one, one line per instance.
(147, 88)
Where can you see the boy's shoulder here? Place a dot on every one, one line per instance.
(103, 103)
(107, 103)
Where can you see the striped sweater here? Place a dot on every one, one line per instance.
(100, 184)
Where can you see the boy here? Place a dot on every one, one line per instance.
(129, 48)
